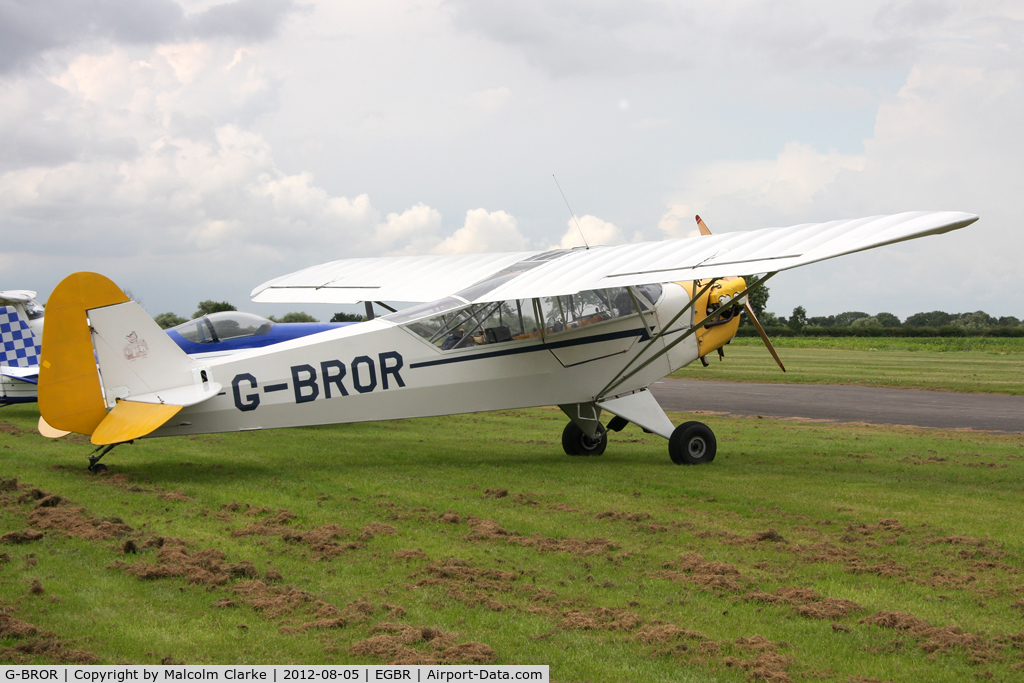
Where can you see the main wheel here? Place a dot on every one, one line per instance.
(576, 442)
(692, 443)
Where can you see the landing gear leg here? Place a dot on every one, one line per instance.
(692, 443)
(94, 460)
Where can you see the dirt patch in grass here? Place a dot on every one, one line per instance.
(410, 554)
(475, 586)
(756, 655)
(886, 569)
(489, 530)
(31, 641)
(176, 495)
(601, 618)
(495, 493)
(936, 639)
(75, 521)
(206, 567)
(8, 428)
(665, 633)
(322, 540)
(19, 537)
(692, 568)
(766, 536)
(972, 548)
(404, 644)
(617, 515)
(377, 529)
(572, 546)
(806, 602)
(462, 571)
(767, 664)
(829, 608)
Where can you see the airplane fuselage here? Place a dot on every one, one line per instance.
(381, 370)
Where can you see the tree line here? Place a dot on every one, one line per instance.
(863, 324)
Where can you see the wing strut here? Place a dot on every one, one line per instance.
(615, 381)
(658, 354)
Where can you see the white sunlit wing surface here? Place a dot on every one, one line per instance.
(391, 278)
(499, 277)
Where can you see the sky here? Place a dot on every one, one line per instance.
(193, 150)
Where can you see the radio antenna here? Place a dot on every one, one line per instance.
(571, 212)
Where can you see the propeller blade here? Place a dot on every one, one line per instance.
(703, 228)
(764, 335)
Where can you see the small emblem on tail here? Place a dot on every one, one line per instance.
(136, 348)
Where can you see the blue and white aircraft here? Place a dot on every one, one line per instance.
(588, 330)
(21, 327)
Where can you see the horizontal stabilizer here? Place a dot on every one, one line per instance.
(130, 420)
(641, 408)
(49, 432)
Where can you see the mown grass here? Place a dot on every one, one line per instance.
(968, 364)
(784, 505)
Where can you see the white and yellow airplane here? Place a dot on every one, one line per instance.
(587, 329)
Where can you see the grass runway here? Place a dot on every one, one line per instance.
(804, 552)
(969, 364)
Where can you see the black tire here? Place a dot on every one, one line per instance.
(98, 468)
(576, 442)
(692, 443)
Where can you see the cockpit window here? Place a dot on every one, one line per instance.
(449, 326)
(487, 323)
(217, 327)
(33, 310)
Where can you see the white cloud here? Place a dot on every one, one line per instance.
(597, 232)
(781, 186)
(484, 231)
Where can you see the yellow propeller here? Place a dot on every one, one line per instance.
(702, 226)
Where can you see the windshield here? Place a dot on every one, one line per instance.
(217, 327)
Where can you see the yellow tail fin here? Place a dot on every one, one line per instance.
(70, 398)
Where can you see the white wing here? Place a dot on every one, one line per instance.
(18, 296)
(392, 278)
(498, 277)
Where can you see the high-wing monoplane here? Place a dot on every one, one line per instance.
(587, 329)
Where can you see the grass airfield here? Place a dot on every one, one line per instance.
(970, 364)
(805, 552)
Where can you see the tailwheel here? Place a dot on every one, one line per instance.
(576, 442)
(692, 443)
(95, 466)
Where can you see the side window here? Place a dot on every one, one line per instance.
(552, 314)
(590, 307)
(488, 323)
